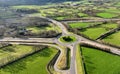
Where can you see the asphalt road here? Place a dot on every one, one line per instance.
(91, 20)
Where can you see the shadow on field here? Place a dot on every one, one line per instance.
(15, 67)
(45, 53)
(116, 71)
(89, 65)
(109, 37)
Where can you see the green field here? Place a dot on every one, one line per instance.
(82, 15)
(118, 4)
(85, 24)
(113, 10)
(97, 31)
(78, 11)
(99, 62)
(54, 13)
(14, 50)
(110, 25)
(26, 7)
(106, 15)
(113, 39)
(80, 24)
(35, 29)
(60, 18)
(93, 32)
(34, 64)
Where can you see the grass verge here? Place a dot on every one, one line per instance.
(64, 62)
(80, 66)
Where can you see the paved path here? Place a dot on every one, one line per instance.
(44, 40)
(90, 20)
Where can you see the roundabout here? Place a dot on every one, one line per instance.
(67, 39)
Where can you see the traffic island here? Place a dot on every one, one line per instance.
(67, 39)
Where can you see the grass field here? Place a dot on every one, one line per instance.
(15, 50)
(97, 31)
(99, 62)
(61, 13)
(113, 10)
(54, 13)
(110, 25)
(106, 15)
(94, 32)
(34, 64)
(118, 4)
(82, 15)
(113, 39)
(26, 7)
(60, 18)
(35, 29)
(80, 24)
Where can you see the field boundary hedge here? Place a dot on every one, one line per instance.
(108, 33)
(52, 62)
